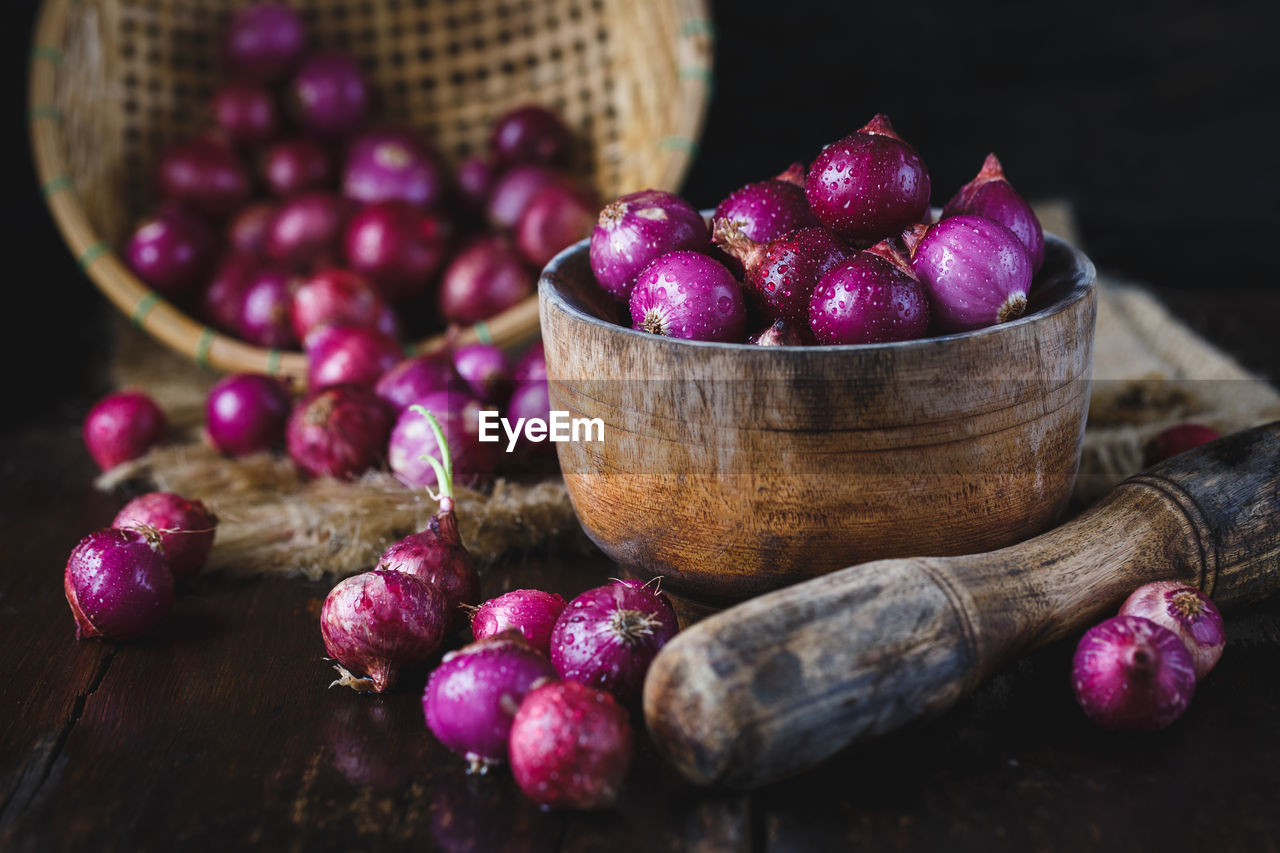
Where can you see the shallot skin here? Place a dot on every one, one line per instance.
(222, 300)
(1175, 440)
(264, 309)
(571, 746)
(473, 181)
(246, 413)
(118, 584)
(186, 528)
(782, 274)
(437, 556)
(381, 622)
(482, 281)
(530, 134)
(346, 354)
(532, 612)
(1187, 612)
(608, 636)
(393, 164)
(472, 697)
(514, 191)
(248, 230)
(486, 370)
(171, 250)
(338, 431)
(766, 210)
(869, 185)
(264, 42)
(689, 295)
(247, 113)
(635, 229)
(411, 439)
(296, 165)
(329, 95)
(1130, 674)
(205, 174)
(123, 426)
(397, 247)
(336, 295)
(307, 230)
(868, 300)
(557, 217)
(415, 378)
(991, 195)
(532, 365)
(976, 272)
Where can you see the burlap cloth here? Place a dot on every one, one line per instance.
(1150, 371)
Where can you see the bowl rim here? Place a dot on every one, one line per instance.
(1083, 271)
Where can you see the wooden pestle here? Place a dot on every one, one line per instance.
(777, 684)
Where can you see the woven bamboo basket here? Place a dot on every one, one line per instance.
(115, 81)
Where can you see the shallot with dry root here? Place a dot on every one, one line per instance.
(1130, 674)
(338, 431)
(1187, 612)
(186, 529)
(608, 636)
(637, 228)
(380, 623)
(688, 295)
(767, 210)
(781, 275)
(976, 272)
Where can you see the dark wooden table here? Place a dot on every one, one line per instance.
(222, 734)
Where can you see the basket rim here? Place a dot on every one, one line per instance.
(212, 349)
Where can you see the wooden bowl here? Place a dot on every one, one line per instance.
(113, 82)
(731, 470)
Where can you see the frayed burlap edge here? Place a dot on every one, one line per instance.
(1150, 372)
(271, 521)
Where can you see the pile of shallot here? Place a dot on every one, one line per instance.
(843, 253)
(358, 411)
(121, 581)
(544, 686)
(1137, 671)
(356, 415)
(297, 210)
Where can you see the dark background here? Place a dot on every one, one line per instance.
(1161, 123)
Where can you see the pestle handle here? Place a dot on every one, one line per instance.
(776, 684)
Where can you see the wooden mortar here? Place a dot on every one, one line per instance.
(780, 683)
(732, 470)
